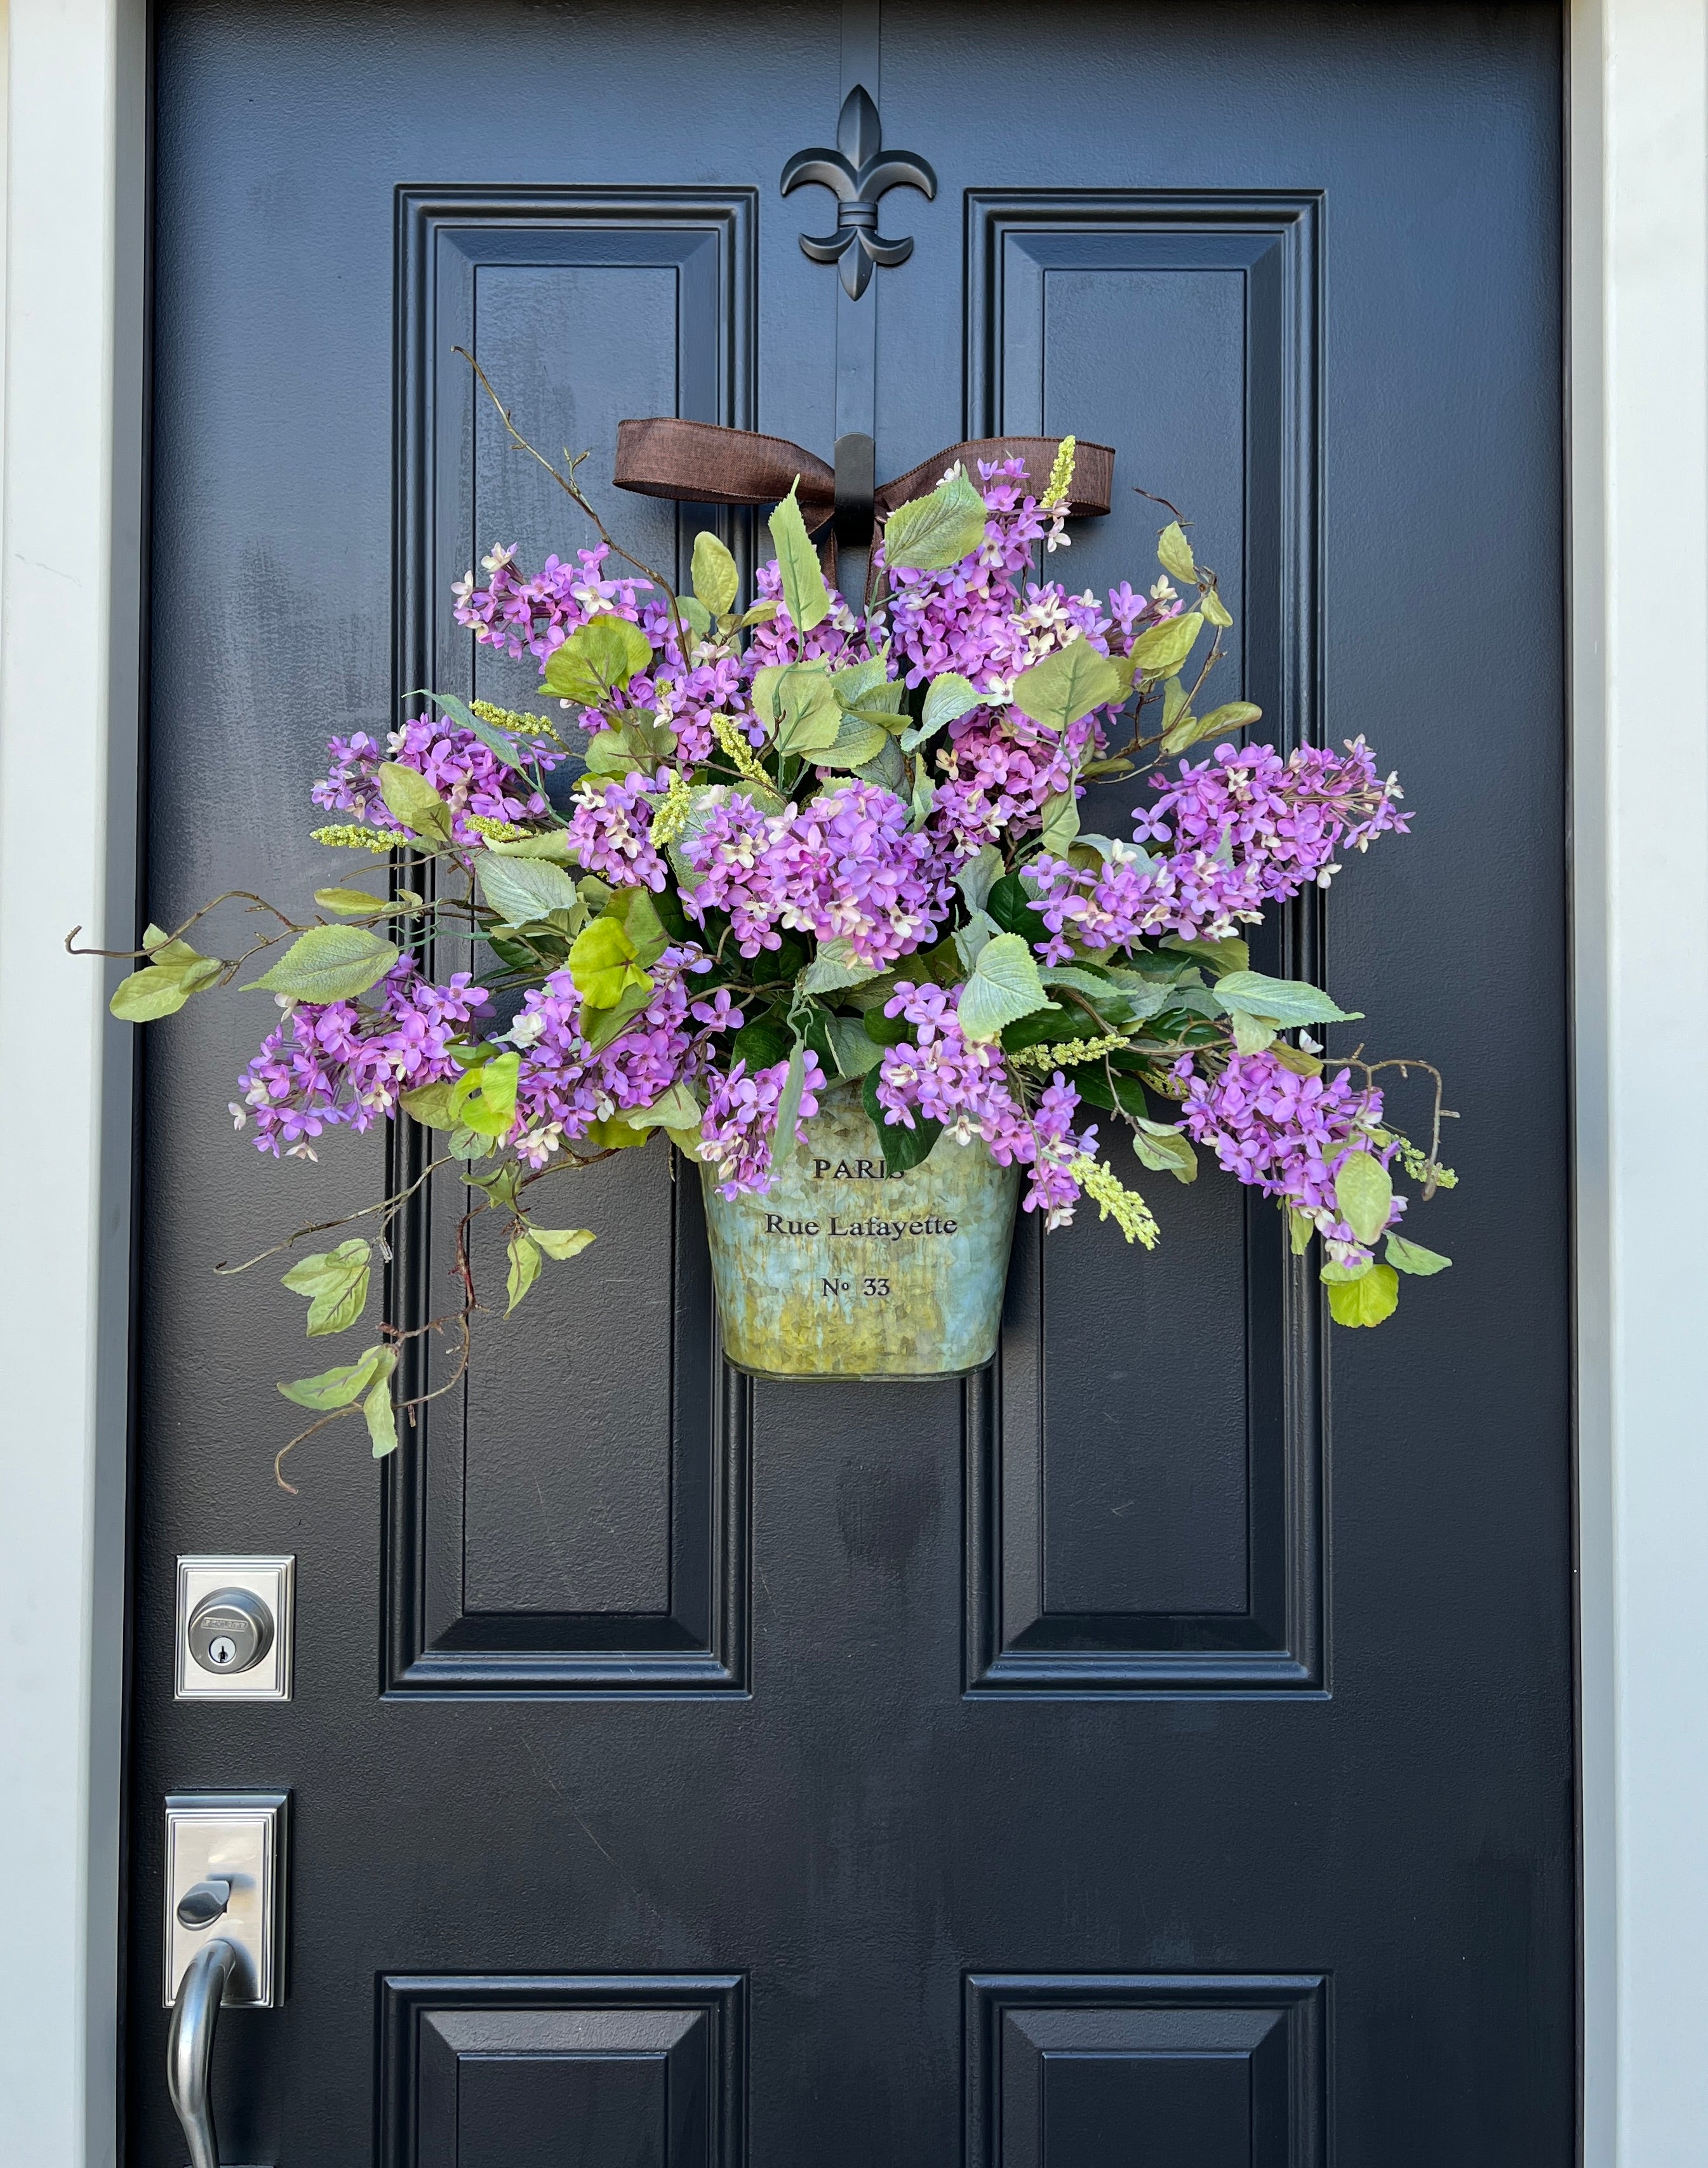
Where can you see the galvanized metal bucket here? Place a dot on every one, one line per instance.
(841, 1272)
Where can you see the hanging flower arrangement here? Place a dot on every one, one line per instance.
(754, 867)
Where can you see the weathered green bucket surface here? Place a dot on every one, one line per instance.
(840, 1272)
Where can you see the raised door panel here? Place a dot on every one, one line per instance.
(1108, 2072)
(570, 1519)
(1155, 1528)
(561, 2073)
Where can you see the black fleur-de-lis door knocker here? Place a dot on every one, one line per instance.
(857, 174)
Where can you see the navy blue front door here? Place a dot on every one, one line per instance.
(1156, 1753)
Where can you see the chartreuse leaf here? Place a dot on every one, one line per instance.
(336, 1284)
(355, 903)
(932, 533)
(522, 890)
(1300, 1227)
(381, 1419)
(1174, 553)
(1067, 684)
(803, 594)
(561, 1244)
(429, 1104)
(411, 799)
(1003, 987)
(551, 844)
(1367, 1300)
(1215, 609)
(329, 963)
(1061, 817)
(713, 572)
(1164, 649)
(603, 962)
(173, 972)
(1364, 1194)
(484, 1099)
(1413, 1258)
(596, 660)
(344, 1385)
(1164, 1148)
(526, 1258)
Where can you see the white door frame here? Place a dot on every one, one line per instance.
(73, 382)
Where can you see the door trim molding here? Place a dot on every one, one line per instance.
(73, 379)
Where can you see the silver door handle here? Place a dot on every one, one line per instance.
(189, 2046)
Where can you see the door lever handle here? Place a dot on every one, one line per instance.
(189, 2046)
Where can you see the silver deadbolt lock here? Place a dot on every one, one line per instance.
(234, 1627)
(231, 1630)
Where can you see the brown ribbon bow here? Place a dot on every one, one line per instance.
(701, 463)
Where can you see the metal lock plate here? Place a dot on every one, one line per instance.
(237, 1839)
(234, 1629)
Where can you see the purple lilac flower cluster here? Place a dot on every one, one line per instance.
(942, 1075)
(1244, 828)
(464, 771)
(564, 1087)
(332, 1064)
(1287, 1134)
(845, 865)
(740, 1122)
(610, 831)
(536, 616)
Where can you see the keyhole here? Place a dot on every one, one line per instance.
(222, 1651)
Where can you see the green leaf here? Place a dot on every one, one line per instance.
(948, 697)
(972, 939)
(783, 1138)
(596, 660)
(932, 533)
(1004, 986)
(694, 615)
(343, 1386)
(1164, 649)
(904, 1148)
(1164, 1149)
(1300, 1227)
(834, 967)
(852, 1045)
(1285, 1002)
(1174, 553)
(676, 1108)
(975, 878)
(498, 743)
(713, 572)
(854, 744)
(524, 890)
(526, 1258)
(1009, 902)
(329, 963)
(1215, 609)
(1237, 715)
(796, 698)
(1413, 1258)
(867, 684)
(1066, 685)
(1060, 823)
(1363, 1193)
(1366, 1300)
(600, 1025)
(411, 799)
(336, 1284)
(804, 594)
(1219, 957)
